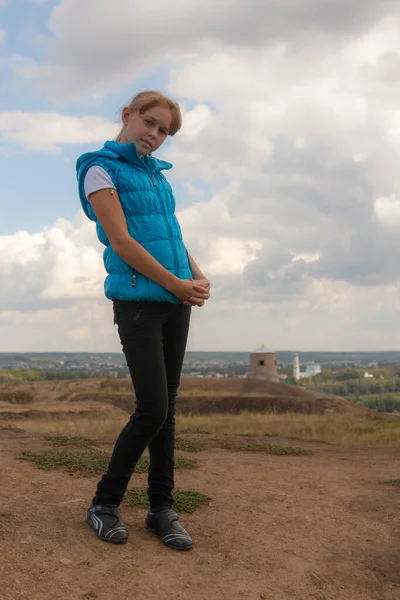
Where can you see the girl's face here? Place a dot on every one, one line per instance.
(147, 130)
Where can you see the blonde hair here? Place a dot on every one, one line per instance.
(146, 100)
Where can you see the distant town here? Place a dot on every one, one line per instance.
(296, 365)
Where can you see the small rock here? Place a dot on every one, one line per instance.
(66, 561)
(90, 594)
(315, 577)
(85, 563)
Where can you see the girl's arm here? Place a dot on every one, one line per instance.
(197, 274)
(107, 207)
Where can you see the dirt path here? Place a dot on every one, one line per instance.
(278, 528)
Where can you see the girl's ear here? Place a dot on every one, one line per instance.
(125, 114)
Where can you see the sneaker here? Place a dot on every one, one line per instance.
(105, 519)
(164, 523)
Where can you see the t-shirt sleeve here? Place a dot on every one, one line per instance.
(97, 179)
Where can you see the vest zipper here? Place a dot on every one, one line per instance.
(169, 228)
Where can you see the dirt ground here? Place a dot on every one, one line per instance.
(317, 527)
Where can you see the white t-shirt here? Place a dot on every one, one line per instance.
(97, 179)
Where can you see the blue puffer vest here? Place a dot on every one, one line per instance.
(149, 207)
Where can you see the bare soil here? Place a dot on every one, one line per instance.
(316, 527)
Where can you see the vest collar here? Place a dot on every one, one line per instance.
(128, 152)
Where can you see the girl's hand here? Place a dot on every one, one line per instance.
(199, 301)
(192, 292)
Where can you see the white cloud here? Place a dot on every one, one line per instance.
(51, 283)
(141, 35)
(48, 131)
(292, 127)
(57, 266)
(84, 325)
(387, 211)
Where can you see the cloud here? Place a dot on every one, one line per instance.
(304, 157)
(78, 60)
(52, 268)
(48, 131)
(51, 284)
(81, 326)
(387, 211)
(292, 129)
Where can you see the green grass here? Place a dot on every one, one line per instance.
(63, 440)
(186, 502)
(267, 448)
(89, 463)
(187, 445)
(392, 482)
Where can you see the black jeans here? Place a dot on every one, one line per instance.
(153, 337)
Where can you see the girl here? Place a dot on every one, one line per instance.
(153, 283)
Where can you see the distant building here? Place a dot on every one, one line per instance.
(312, 369)
(296, 367)
(263, 365)
(368, 375)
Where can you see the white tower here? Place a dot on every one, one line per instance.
(296, 367)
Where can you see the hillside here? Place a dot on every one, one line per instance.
(275, 514)
(196, 395)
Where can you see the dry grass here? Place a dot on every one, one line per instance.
(84, 426)
(267, 448)
(346, 429)
(350, 429)
(11, 427)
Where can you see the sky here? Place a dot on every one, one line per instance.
(286, 171)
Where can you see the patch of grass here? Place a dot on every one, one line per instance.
(63, 440)
(187, 445)
(186, 502)
(267, 448)
(82, 425)
(185, 463)
(349, 429)
(193, 430)
(89, 463)
(11, 428)
(393, 482)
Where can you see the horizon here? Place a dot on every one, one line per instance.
(216, 352)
